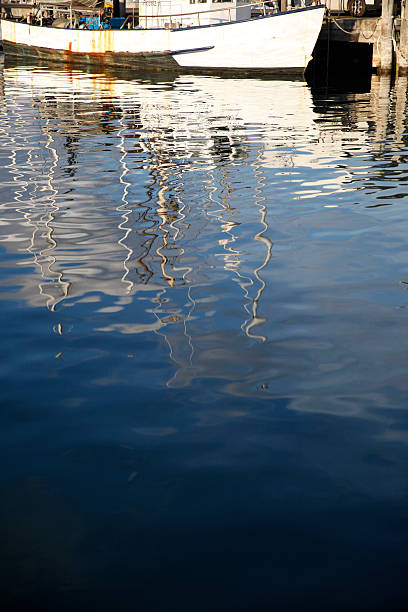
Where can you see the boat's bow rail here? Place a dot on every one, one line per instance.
(228, 11)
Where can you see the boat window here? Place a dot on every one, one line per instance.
(198, 1)
(223, 1)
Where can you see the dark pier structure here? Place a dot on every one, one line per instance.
(379, 42)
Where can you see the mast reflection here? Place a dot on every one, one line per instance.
(131, 190)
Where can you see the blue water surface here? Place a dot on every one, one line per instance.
(203, 302)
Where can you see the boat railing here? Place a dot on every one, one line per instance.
(265, 7)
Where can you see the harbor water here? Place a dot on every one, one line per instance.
(204, 337)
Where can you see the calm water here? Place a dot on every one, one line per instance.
(204, 336)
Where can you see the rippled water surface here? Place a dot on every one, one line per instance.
(204, 317)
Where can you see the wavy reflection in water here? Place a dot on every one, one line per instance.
(152, 200)
(151, 240)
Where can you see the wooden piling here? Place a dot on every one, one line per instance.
(386, 43)
(402, 50)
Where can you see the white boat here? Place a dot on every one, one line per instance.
(175, 34)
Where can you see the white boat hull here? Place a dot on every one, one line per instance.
(279, 42)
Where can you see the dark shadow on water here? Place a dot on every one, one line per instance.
(340, 67)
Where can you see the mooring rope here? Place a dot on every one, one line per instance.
(372, 31)
(340, 28)
(361, 32)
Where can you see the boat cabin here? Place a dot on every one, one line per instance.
(184, 13)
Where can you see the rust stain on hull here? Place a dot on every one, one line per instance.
(102, 43)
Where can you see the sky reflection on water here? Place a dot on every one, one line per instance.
(204, 302)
